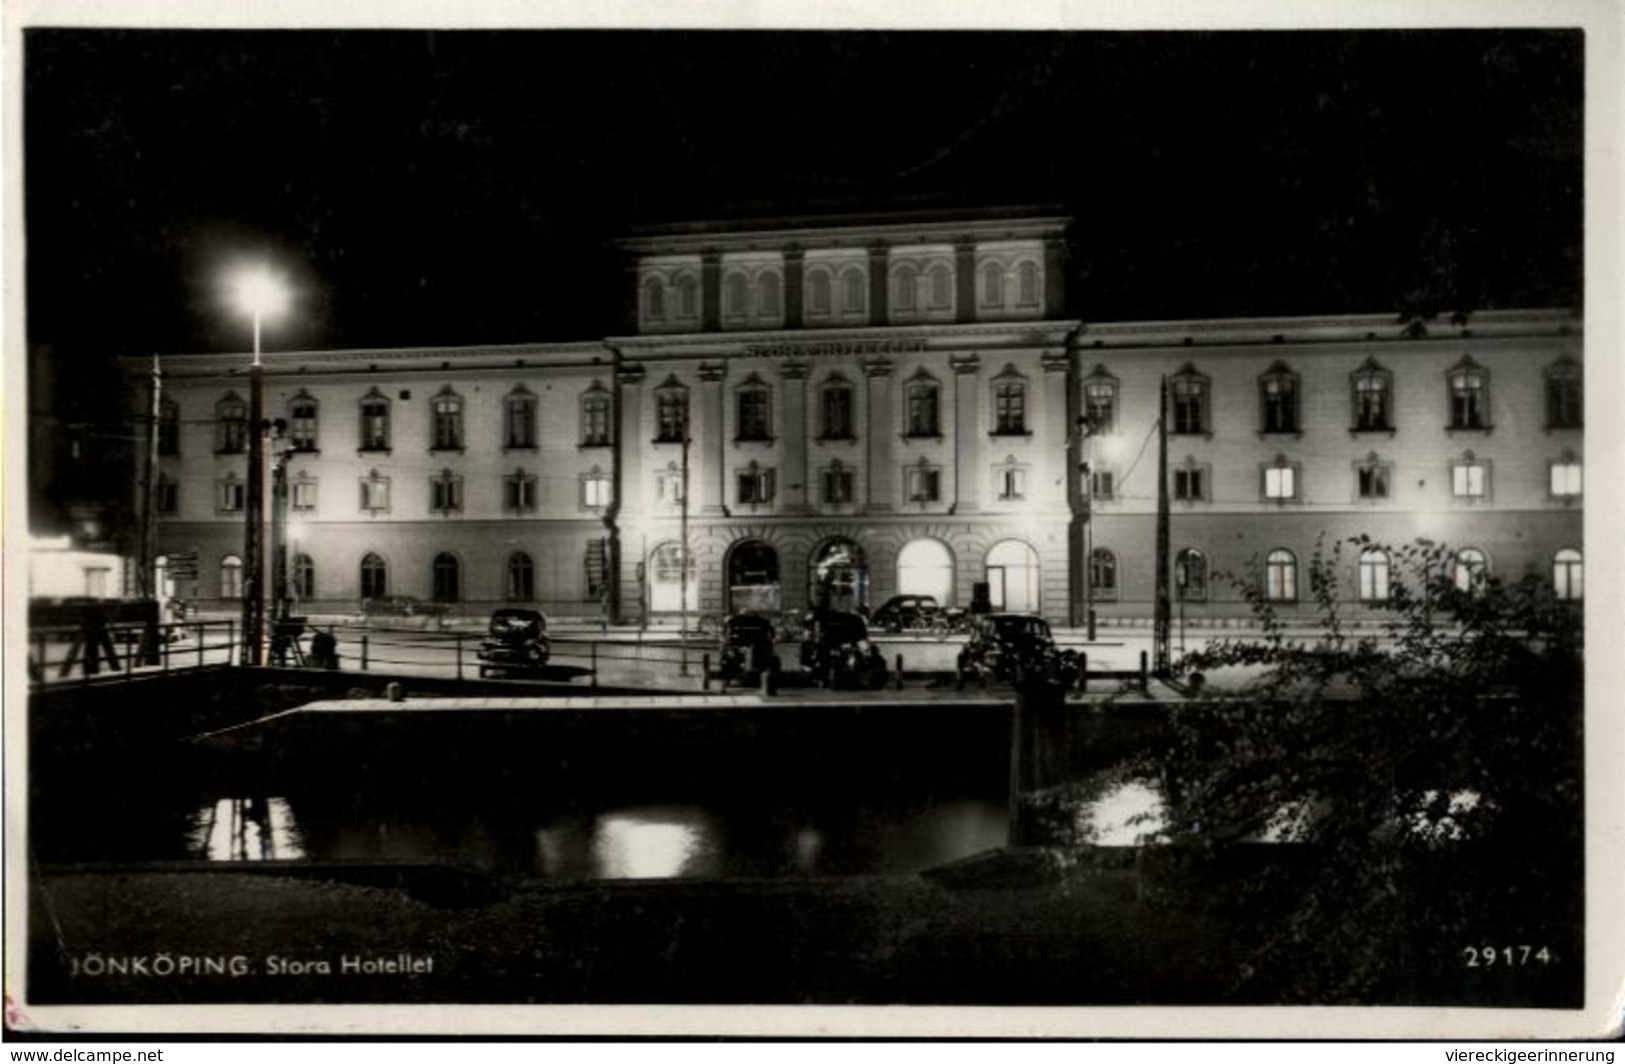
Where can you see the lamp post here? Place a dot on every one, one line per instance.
(259, 293)
(682, 535)
(1088, 427)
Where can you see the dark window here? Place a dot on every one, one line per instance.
(1190, 485)
(924, 484)
(922, 408)
(374, 577)
(767, 295)
(596, 563)
(231, 495)
(672, 416)
(302, 423)
(375, 423)
(1188, 393)
(519, 492)
(1373, 398)
(521, 582)
(304, 577)
(169, 427)
(992, 285)
(942, 287)
(168, 496)
(756, 485)
(595, 418)
(657, 299)
(903, 288)
(231, 426)
(1564, 406)
(754, 422)
(1469, 397)
(837, 485)
(1278, 393)
(448, 422)
(520, 421)
(1027, 284)
(446, 493)
(1373, 479)
(1101, 484)
(688, 296)
(1190, 576)
(1010, 408)
(837, 404)
(447, 578)
(1103, 574)
(737, 296)
(854, 295)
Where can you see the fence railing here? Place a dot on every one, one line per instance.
(100, 653)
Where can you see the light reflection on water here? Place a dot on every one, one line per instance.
(1129, 814)
(247, 829)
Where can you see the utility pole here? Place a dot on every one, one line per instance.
(682, 535)
(254, 515)
(147, 583)
(1161, 617)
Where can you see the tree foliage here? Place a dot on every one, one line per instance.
(1446, 735)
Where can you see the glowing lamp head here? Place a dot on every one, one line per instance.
(259, 292)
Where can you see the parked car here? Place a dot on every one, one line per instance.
(515, 642)
(837, 652)
(1012, 647)
(745, 648)
(906, 613)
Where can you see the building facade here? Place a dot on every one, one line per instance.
(835, 413)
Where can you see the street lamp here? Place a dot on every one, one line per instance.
(1088, 427)
(260, 293)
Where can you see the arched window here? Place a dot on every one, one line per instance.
(941, 280)
(735, 295)
(904, 280)
(1469, 395)
(767, 295)
(1012, 576)
(302, 575)
(818, 292)
(1373, 389)
(1103, 575)
(231, 425)
(1564, 408)
(1374, 570)
(595, 416)
(1278, 399)
(853, 295)
(302, 411)
(519, 420)
(1281, 576)
(1009, 404)
(1190, 576)
(1027, 284)
(688, 296)
(655, 303)
(926, 567)
(231, 577)
(835, 401)
(665, 576)
(755, 410)
(992, 285)
(923, 404)
(1188, 394)
(521, 582)
(1100, 402)
(446, 410)
(374, 421)
(1568, 575)
(374, 577)
(1469, 569)
(448, 573)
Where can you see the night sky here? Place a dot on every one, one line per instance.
(464, 187)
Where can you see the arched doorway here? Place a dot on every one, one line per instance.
(753, 578)
(1012, 577)
(838, 578)
(666, 579)
(926, 567)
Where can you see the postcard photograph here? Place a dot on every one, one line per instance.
(881, 520)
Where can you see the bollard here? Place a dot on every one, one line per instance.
(1083, 672)
(200, 644)
(459, 655)
(770, 682)
(231, 643)
(705, 673)
(594, 645)
(395, 692)
(364, 643)
(1145, 671)
(899, 683)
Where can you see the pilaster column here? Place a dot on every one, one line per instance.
(630, 437)
(1053, 432)
(969, 444)
(793, 262)
(882, 428)
(964, 280)
(711, 291)
(1054, 278)
(793, 438)
(710, 449)
(879, 284)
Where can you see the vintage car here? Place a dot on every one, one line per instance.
(902, 613)
(836, 651)
(1014, 647)
(516, 642)
(745, 648)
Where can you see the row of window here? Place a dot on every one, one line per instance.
(1469, 567)
(833, 291)
(375, 421)
(1371, 390)
(446, 577)
(1282, 480)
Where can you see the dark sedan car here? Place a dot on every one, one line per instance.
(517, 642)
(1013, 647)
(746, 648)
(902, 613)
(837, 652)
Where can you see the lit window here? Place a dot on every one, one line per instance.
(375, 493)
(1190, 576)
(1373, 388)
(302, 423)
(448, 578)
(1469, 396)
(1281, 576)
(1010, 407)
(1188, 393)
(1190, 484)
(1564, 404)
(1470, 478)
(1278, 393)
(230, 495)
(446, 493)
(755, 422)
(1566, 479)
(1374, 566)
(519, 420)
(447, 412)
(520, 585)
(302, 493)
(374, 422)
(231, 426)
(231, 577)
(923, 483)
(519, 491)
(1103, 575)
(1470, 569)
(595, 417)
(595, 490)
(922, 407)
(1280, 482)
(169, 427)
(671, 410)
(374, 577)
(837, 409)
(1568, 575)
(837, 485)
(1100, 402)
(756, 485)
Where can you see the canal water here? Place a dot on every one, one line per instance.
(787, 801)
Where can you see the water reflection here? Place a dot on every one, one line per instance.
(247, 829)
(1129, 814)
(654, 843)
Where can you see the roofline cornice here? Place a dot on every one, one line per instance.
(1545, 323)
(701, 236)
